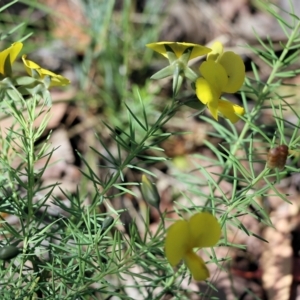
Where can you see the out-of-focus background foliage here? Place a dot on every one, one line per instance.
(100, 46)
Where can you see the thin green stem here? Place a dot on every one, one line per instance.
(264, 173)
(30, 171)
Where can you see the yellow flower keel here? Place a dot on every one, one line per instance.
(197, 266)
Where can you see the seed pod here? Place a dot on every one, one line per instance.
(8, 252)
(277, 157)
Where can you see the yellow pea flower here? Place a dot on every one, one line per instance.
(32, 69)
(223, 72)
(201, 230)
(179, 49)
(8, 56)
(178, 55)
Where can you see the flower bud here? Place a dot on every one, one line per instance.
(149, 192)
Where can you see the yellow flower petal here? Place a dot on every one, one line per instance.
(205, 230)
(208, 95)
(12, 52)
(213, 110)
(59, 81)
(217, 50)
(215, 74)
(56, 80)
(177, 242)
(179, 48)
(230, 110)
(29, 65)
(205, 92)
(196, 265)
(235, 69)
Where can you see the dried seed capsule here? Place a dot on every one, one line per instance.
(8, 252)
(277, 157)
